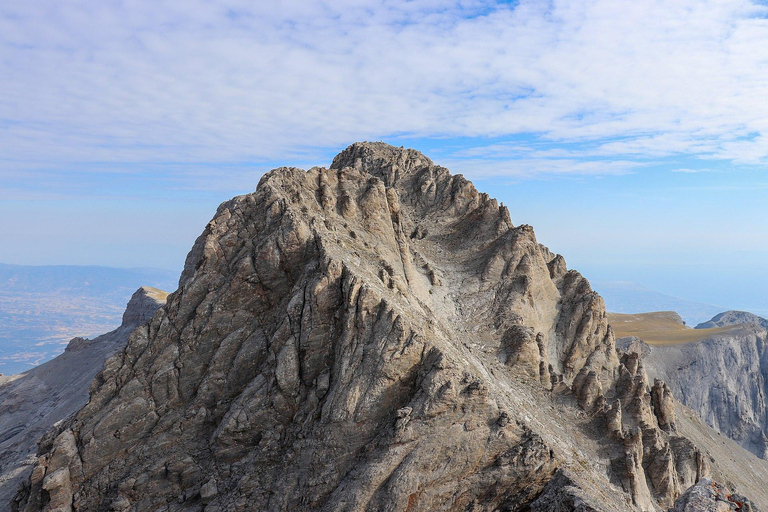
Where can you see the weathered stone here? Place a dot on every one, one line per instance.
(708, 496)
(722, 378)
(635, 474)
(563, 494)
(663, 405)
(208, 491)
(613, 419)
(311, 361)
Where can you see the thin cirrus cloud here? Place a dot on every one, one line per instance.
(87, 83)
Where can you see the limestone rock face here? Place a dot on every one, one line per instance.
(562, 494)
(372, 336)
(723, 378)
(33, 402)
(143, 305)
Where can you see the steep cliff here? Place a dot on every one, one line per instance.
(32, 402)
(374, 336)
(724, 378)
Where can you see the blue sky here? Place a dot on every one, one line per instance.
(631, 135)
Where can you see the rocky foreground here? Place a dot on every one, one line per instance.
(378, 336)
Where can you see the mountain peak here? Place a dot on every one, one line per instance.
(372, 155)
(733, 317)
(142, 305)
(371, 336)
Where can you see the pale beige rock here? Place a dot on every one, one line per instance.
(663, 404)
(614, 425)
(635, 474)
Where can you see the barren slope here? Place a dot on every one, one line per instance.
(663, 328)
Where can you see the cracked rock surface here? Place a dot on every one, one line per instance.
(377, 335)
(709, 496)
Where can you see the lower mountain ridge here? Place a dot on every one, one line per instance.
(31, 403)
(378, 335)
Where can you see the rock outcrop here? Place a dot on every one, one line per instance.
(709, 496)
(31, 403)
(734, 318)
(142, 306)
(373, 336)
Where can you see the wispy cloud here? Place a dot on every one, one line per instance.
(691, 171)
(479, 168)
(231, 81)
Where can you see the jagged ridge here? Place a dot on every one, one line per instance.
(379, 336)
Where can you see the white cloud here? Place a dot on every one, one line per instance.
(691, 171)
(480, 168)
(235, 81)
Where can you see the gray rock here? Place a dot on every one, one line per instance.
(143, 305)
(208, 491)
(634, 344)
(562, 494)
(709, 496)
(723, 379)
(734, 318)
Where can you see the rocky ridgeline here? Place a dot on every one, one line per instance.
(729, 318)
(33, 402)
(374, 336)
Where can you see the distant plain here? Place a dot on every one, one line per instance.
(662, 328)
(43, 307)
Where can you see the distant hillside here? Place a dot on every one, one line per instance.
(630, 297)
(717, 369)
(734, 318)
(31, 403)
(43, 307)
(663, 328)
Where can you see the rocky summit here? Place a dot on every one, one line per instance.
(378, 336)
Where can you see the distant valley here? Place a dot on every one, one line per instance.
(43, 307)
